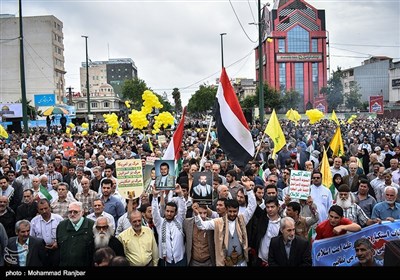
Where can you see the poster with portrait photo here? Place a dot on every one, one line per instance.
(202, 188)
(165, 174)
(149, 177)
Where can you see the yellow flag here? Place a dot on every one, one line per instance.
(351, 119)
(150, 143)
(326, 171)
(334, 117)
(3, 132)
(336, 143)
(293, 115)
(274, 131)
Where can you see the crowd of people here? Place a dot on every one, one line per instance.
(60, 204)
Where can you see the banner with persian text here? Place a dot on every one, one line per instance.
(339, 251)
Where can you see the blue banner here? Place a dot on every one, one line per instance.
(339, 251)
(45, 99)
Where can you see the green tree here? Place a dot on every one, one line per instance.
(353, 98)
(176, 95)
(291, 99)
(203, 99)
(272, 98)
(166, 104)
(31, 111)
(132, 90)
(249, 102)
(335, 90)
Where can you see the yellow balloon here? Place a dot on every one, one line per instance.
(84, 133)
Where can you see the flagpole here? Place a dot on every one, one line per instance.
(206, 143)
(259, 146)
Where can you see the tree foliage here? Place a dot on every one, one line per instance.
(132, 90)
(176, 95)
(249, 102)
(272, 98)
(353, 98)
(335, 90)
(291, 99)
(31, 111)
(203, 99)
(166, 104)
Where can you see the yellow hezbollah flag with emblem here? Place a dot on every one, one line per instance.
(336, 143)
(274, 131)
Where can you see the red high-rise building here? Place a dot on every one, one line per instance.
(295, 50)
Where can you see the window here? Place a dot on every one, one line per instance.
(314, 45)
(94, 104)
(298, 40)
(106, 104)
(315, 79)
(299, 73)
(82, 105)
(281, 44)
(282, 77)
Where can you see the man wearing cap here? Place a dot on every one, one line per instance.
(379, 154)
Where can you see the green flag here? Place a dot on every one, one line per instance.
(44, 191)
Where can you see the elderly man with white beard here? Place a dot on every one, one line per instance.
(351, 210)
(103, 236)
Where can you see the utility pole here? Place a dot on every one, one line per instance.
(87, 84)
(260, 65)
(70, 95)
(22, 72)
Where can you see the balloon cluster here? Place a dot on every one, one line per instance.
(113, 124)
(139, 118)
(85, 126)
(163, 119)
(314, 115)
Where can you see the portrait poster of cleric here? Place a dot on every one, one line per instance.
(202, 187)
(165, 174)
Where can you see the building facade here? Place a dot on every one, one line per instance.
(294, 50)
(372, 77)
(43, 57)
(105, 85)
(394, 83)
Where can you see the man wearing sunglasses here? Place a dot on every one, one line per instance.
(75, 238)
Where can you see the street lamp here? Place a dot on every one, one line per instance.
(87, 83)
(222, 48)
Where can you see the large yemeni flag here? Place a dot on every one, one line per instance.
(174, 147)
(233, 131)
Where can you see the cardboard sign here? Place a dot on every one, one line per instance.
(129, 176)
(300, 182)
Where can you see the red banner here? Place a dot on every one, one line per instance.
(321, 104)
(376, 104)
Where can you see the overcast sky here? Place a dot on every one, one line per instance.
(178, 43)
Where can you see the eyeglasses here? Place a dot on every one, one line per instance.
(73, 212)
(101, 227)
(316, 177)
(286, 173)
